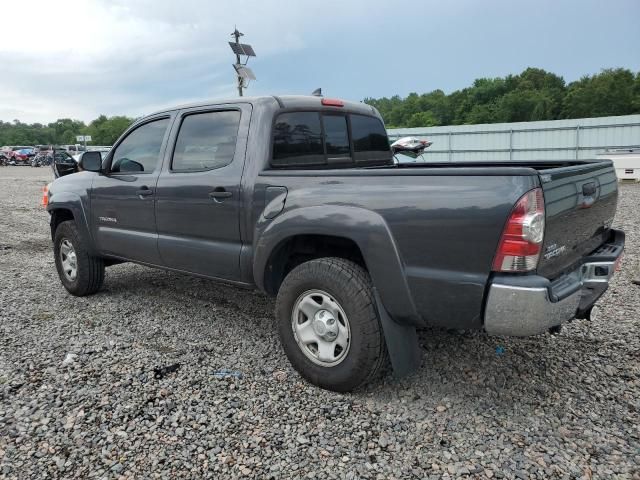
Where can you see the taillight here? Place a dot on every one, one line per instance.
(521, 241)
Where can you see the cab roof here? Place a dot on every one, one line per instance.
(280, 102)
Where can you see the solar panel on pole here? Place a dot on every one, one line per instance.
(237, 48)
(242, 49)
(248, 50)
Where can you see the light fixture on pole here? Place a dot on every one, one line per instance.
(243, 73)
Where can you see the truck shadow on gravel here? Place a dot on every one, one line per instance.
(455, 365)
(33, 245)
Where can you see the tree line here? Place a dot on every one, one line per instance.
(103, 130)
(534, 94)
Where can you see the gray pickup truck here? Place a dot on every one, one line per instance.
(299, 197)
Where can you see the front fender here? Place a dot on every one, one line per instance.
(366, 228)
(71, 201)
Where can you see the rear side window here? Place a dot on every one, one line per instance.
(370, 141)
(297, 140)
(206, 141)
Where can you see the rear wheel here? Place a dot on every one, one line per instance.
(80, 273)
(328, 324)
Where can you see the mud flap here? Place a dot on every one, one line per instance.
(402, 342)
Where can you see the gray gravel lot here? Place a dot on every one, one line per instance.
(79, 396)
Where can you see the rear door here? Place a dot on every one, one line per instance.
(123, 199)
(580, 203)
(198, 193)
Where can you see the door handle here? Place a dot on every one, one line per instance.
(144, 191)
(220, 193)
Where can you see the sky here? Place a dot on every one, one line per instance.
(82, 58)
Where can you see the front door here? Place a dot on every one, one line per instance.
(198, 193)
(123, 198)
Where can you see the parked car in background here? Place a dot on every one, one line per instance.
(17, 155)
(73, 150)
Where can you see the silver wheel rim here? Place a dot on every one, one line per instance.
(68, 260)
(321, 328)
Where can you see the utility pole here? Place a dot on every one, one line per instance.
(243, 73)
(237, 36)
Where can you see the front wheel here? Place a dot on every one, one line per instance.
(328, 324)
(80, 273)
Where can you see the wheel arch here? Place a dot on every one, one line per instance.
(58, 216)
(342, 231)
(299, 248)
(65, 206)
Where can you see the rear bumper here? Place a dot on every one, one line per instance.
(531, 304)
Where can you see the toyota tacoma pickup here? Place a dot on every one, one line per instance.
(299, 197)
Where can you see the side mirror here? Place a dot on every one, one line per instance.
(91, 161)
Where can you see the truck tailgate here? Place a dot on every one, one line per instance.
(580, 202)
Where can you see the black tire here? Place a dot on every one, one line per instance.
(350, 285)
(90, 269)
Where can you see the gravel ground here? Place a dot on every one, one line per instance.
(83, 393)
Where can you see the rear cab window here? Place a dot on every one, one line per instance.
(297, 140)
(336, 134)
(370, 141)
(328, 139)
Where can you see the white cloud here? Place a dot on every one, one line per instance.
(77, 58)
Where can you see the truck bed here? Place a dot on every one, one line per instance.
(446, 220)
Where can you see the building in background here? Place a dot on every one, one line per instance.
(582, 138)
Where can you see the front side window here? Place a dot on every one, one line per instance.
(139, 152)
(206, 141)
(297, 140)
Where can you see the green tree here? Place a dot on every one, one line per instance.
(105, 131)
(422, 119)
(66, 129)
(534, 94)
(611, 92)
